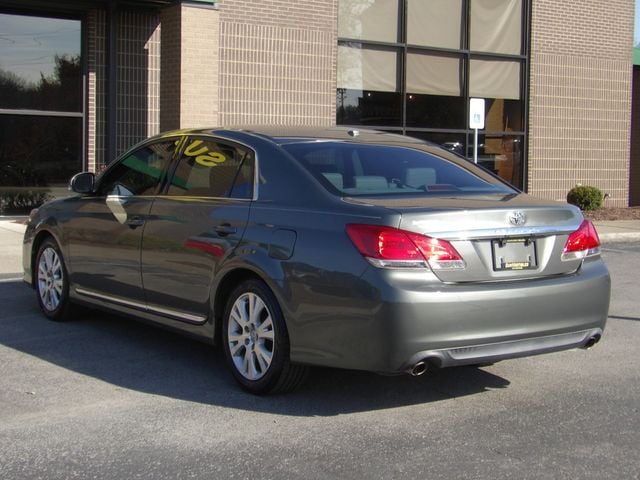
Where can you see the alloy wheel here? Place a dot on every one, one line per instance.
(250, 336)
(50, 279)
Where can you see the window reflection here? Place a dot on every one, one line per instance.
(40, 72)
(38, 156)
(501, 154)
(367, 107)
(454, 142)
(139, 173)
(368, 19)
(368, 90)
(418, 80)
(435, 111)
(40, 63)
(503, 115)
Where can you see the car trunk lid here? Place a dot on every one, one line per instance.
(513, 238)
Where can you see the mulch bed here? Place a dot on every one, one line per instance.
(614, 213)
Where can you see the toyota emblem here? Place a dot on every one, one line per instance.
(517, 218)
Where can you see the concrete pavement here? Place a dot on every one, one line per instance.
(11, 233)
(12, 230)
(618, 230)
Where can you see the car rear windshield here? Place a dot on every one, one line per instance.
(350, 169)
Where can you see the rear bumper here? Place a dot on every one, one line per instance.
(402, 318)
(492, 352)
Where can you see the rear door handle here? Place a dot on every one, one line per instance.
(225, 229)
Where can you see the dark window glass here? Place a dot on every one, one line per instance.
(503, 115)
(501, 154)
(433, 111)
(454, 142)
(211, 169)
(38, 156)
(139, 172)
(358, 107)
(40, 63)
(356, 170)
(368, 89)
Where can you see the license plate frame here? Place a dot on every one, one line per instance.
(511, 254)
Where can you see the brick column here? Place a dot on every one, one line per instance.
(580, 97)
(189, 67)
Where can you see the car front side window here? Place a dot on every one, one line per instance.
(140, 172)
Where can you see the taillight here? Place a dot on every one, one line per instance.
(387, 247)
(582, 243)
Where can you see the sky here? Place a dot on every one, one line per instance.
(28, 44)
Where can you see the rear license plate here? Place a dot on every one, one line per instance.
(514, 254)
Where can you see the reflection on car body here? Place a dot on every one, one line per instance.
(299, 247)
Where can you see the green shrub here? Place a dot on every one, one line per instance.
(21, 202)
(585, 197)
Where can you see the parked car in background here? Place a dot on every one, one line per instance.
(335, 247)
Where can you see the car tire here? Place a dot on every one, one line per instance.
(52, 282)
(256, 342)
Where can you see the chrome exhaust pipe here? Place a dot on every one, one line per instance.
(592, 341)
(419, 368)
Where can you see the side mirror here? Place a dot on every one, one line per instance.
(82, 183)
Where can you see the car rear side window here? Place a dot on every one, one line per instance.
(212, 169)
(362, 169)
(139, 172)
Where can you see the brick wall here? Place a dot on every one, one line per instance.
(634, 167)
(200, 59)
(137, 83)
(96, 89)
(580, 97)
(170, 68)
(277, 62)
(138, 106)
(190, 58)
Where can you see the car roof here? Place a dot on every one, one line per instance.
(296, 134)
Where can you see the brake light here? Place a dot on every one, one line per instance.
(582, 243)
(387, 247)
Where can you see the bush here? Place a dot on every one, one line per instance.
(585, 197)
(21, 202)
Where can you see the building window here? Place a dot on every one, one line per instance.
(410, 66)
(41, 109)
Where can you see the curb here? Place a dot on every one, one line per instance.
(619, 237)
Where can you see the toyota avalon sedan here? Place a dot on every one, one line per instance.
(342, 248)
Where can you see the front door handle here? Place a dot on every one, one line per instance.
(135, 222)
(225, 229)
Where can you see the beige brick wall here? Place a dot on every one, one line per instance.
(190, 58)
(277, 62)
(634, 167)
(580, 97)
(96, 89)
(200, 58)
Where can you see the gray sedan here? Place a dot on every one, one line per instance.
(335, 247)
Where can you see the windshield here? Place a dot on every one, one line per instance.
(349, 169)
